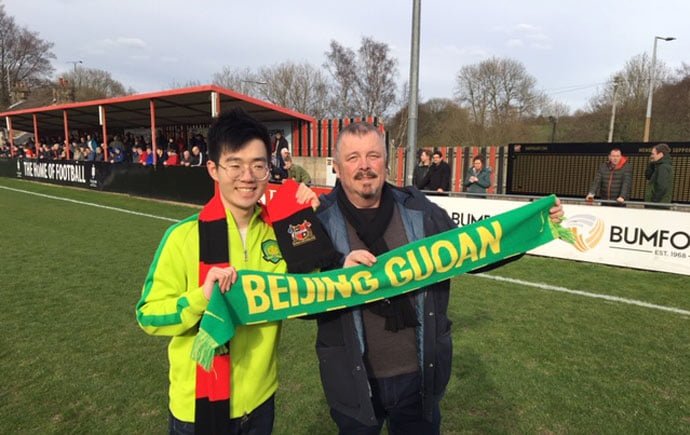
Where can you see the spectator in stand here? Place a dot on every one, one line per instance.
(422, 169)
(100, 157)
(144, 156)
(77, 154)
(118, 156)
(279, 142)
(613, 179)
(173, 159)
(117, 143)
(296, 172)
(186, 158)
(278, 172)
(91, 142)
(197, 156)
(659, 175)
(55, 151)
(479, 176)
(29, 152)
(161, 156)
(438, 178)
(149, 155)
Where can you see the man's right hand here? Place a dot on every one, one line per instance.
(359, 256)
(225, 277)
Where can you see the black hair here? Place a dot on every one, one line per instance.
(479, 157)
(663, 148)
(232, 131)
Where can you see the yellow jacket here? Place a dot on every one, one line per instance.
(172, 304)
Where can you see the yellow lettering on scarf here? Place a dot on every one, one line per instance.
(363, 283)
(276, 290)
(255, 292)
(342, 286)
(414, 263)
(402, 276)
(310, 292)
(468, 249)
(490, 240)
(443, 245)
(294, 291)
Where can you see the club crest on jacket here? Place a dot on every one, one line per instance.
(301, 233)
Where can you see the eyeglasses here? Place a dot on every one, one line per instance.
(258, 170)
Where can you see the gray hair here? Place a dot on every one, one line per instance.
(358, 129)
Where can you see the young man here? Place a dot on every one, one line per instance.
(479, 177)
(659, 175)
(613, 179)
(438, 178)
(389, 360)
(207, 249)
(422, 169)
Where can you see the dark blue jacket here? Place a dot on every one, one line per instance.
(340, 341)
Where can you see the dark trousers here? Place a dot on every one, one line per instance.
(397, 401)
(257, 422)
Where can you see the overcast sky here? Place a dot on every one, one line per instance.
(564, 44)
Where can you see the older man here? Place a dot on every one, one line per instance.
(389, 360)
(613, 179)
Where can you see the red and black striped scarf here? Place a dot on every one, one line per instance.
(212, 412)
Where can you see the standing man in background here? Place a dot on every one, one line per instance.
(659, 175)
(613, 179)
(438, 178)
(422, 169)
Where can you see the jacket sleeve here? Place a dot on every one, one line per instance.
(627, 182)
(663, 182)
(445, 178)
(484, 179)
(166, 306)
(596, 183)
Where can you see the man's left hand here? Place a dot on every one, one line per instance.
(556, 212)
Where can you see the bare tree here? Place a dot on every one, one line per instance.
(341, 62)
(498, 92)
(24, 57)
(364, 83)
(92, 84)
(300, 87)
(245, 81)
(174, 84)
(633, 83)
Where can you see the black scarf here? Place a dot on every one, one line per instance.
(398, 311)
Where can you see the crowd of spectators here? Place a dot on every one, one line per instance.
(137, 149)
(127, 148)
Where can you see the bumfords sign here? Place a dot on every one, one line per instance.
(657, 240)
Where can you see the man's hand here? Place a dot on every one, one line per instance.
(556, 212)
(620, 200)
(359, 256)
(306, 195)
(589, 197)
(473, 179)
(224, 276)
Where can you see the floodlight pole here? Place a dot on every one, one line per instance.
(413, 99)
(613, 108)
(648, 118)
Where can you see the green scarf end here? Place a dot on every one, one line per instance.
(204, 349)
(559, 232)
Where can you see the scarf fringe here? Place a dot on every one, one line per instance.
(204, 349)
(562, 233)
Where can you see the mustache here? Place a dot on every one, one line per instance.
(366, 173)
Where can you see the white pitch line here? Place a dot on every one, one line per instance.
(586, 294)
(121, 210)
